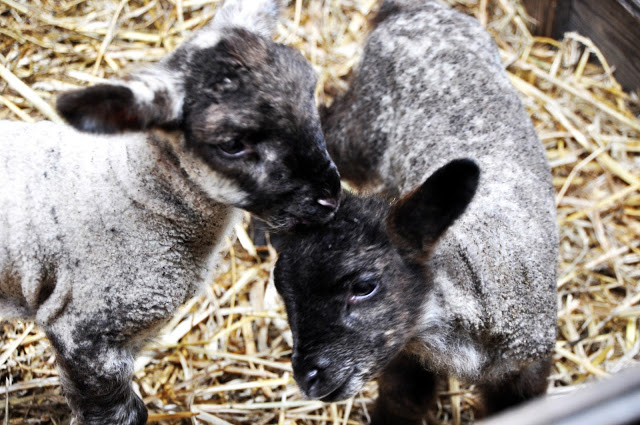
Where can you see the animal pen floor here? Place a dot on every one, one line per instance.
(224, 358)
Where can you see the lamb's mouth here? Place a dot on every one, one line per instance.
(302, 222)
(339, 392)
(294, 222)
(286, 223)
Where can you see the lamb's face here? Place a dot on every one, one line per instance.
(246, 108)
(356, 287)
(353, 301)
(250, 116)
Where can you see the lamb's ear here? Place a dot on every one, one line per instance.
(147, 98)
(259, 16)
(418, 219)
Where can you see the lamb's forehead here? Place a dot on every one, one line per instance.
(357, 233)
(277, 79)
(294, 62)
(286, 76)
(243, 49)
(288, 82)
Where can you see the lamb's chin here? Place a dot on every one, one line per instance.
(349, 388)
(288, 224)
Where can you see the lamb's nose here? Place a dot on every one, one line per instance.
(311, 379)
(329, 203)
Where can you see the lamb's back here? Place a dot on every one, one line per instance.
(431, 88)
(502, 252)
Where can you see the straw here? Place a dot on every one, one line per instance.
(225, 357)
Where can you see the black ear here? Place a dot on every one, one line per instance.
(150, 97)
(103, 108)
(418, 219)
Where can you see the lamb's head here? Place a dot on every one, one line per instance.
(355, 288)
(250, 114)
(244, 109)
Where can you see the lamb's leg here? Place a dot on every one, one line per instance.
(96, 379)
(406, 391)
(530, 382)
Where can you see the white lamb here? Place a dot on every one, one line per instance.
(102, 237)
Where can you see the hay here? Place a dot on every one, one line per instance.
(224, 358)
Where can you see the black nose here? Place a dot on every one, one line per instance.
(311, 380)
(311, 376)
(331, 179)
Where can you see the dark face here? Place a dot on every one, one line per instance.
(352, 299)
(250, 114)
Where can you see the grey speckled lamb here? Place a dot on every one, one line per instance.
(409, 291)
(102, 237)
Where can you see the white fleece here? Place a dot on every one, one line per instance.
(98, 226)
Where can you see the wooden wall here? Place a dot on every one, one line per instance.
(613, 25)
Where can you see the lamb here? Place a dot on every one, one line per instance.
(103, 236)
(449, 269)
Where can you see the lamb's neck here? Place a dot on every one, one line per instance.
(440, 339)
(358, 162)
(157, 181)
(441, 346)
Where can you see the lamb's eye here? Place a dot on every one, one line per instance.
(233, 149)
(363, 289)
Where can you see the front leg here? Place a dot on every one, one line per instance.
(406, 392)
(95, 373)
(516, 388)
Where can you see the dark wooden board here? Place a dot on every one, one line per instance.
(613, 25)
(551, 16)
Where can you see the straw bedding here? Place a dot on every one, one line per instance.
(224, 359)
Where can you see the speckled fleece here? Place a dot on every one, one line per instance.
(109, 227)
(431, 88)
(101, 239)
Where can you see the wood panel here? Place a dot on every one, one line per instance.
(551, 16)
(614, 26)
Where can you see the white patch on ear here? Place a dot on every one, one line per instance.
(204, 38)
(146, 83)
(259, 16)
(142, 92)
